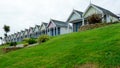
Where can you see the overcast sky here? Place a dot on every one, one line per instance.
(21, 14)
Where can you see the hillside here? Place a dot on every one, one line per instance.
(96, 48)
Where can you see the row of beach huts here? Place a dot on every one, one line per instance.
(55, 27)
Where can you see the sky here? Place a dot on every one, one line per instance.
(21, 14)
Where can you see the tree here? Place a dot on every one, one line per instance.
(6, 29)
(1, 39)
(94, 18)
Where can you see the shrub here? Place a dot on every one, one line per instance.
(26, 44)
(26, 40)
(29, 40)
(94, 18)
(13, 44)
(43, 38)
(93, 26)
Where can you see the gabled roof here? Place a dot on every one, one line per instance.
(26, 30)
(15, 34)
(75, 11)
(31, 28)
(105, 11)
(37, 26)
(22, 31)
(79, 12)
(45, 24)
(60, 23)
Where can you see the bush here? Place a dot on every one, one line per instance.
(94, 18)
(29, 40)
(26, 40)
(26, 44)
(93, 26)
(13, 44)
(43, 38)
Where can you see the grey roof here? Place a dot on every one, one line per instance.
(45, 24)
(31, 27)
(105, 11)
(79, 12)
(22, 30)
(26, 29)
(37, 26)
(60, 23)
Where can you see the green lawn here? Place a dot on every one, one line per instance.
(98, 47)
(1, 47)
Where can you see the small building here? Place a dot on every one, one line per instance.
(106, 15)
(22, 35)
(76, 19)
(26, 35)
(31, 32)
(56, 27)
(12, 38)
(43, 28)
(18, 37)
(15, 37)
(36, 33)
(9, 38)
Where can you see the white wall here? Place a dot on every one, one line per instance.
(91, 11)
(113, 19)
(64, 30)
(48, 33)
(43, 27)
(74, 17)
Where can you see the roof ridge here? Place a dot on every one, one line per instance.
(58, 21)
(77, 11)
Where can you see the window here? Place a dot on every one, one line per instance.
(55, 31)
(48, 30)
(52, 31)
(105, 18)
(76, 26)
(58, 30)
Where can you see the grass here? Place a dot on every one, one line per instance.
(1, 47)
(98, 47)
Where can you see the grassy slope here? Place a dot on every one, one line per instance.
(99, 46)
(1, 47)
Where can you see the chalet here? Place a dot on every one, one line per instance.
(36, 31)
(76, 19)
(26, 34)
(6, 39)
(22, 34)
(106, 15)
(9, 38)
(31, 32)
(12, 38)
(15, 37)
(43, 28)
(56, 27)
